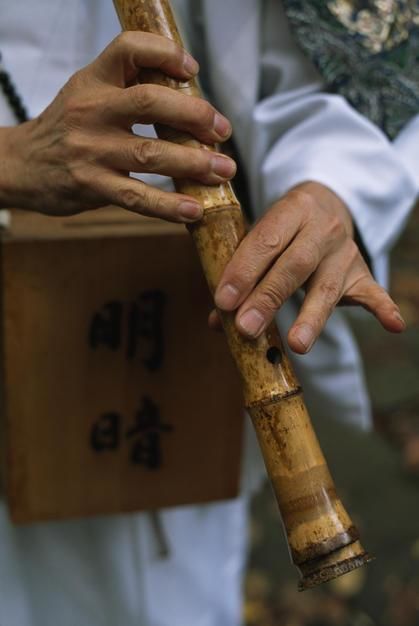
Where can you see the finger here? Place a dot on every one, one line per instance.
(138, 197)
(291, 271)
(256, 253)
(372, 297)
(328, 288)
(130, 153)
(214, 321)
(121, 61)
(323, 293)
(151, 104)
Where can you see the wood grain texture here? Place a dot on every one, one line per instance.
(317, 525)
(56, 274)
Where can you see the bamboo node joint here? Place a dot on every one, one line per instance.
(278, 397)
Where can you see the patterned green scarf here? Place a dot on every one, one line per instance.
(367, 51)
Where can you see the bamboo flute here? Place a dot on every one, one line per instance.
(323, 541)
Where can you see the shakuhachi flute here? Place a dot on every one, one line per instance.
(323, 541)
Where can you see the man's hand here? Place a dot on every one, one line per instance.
(305, 239)
(77, 154)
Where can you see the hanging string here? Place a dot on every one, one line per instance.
(12, 96)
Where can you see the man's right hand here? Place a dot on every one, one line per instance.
(78, 153)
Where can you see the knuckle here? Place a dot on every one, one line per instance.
(241, 272)
(73, 107)
(124, 40)
(305, 261)
(384, 295)
(76, 109)
(119, 47)
(335, 227)
(330, 292)
(74, 144)
(374, 291)
(304, 199)
(142, 200)
(157, 204)
(144, 97)
(384, 301)
(77, 159)
(76, 80)
(81, 176)
(132, 199)
(271, 298)
(147, 153)
(266, 239)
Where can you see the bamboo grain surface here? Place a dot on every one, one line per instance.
(322, 538)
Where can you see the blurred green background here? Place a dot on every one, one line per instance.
(377, 476)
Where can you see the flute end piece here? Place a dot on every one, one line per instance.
(336, 564)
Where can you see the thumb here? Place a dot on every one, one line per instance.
(377, 301)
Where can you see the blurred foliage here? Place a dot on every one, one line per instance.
(381, 489)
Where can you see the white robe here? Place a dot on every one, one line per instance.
(106, 572)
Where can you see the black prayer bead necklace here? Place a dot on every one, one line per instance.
(12, 96)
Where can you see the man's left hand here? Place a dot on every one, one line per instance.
(304, 240)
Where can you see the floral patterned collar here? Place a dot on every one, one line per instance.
(367, 51)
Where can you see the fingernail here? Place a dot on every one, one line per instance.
(223, 166)
(222, 126)
(190, 65)
(227, 297)
(190, 210)
(399, 318)
(305, 335)
(252, 322)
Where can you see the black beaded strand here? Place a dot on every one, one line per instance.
(12, 96)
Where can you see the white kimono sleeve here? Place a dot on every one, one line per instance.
(406, 145)
(299, 133)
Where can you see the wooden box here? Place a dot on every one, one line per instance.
(115, 395)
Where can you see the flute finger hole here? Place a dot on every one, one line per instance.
(274, 356)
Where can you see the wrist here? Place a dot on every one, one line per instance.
(12, 187)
